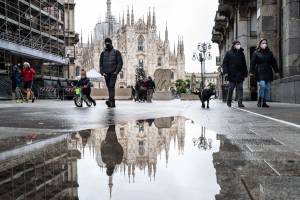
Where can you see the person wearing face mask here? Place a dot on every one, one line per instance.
(235, 71)
(262, 65)
(111, 64)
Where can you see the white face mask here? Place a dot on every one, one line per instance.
(263, 46)
(238, 46)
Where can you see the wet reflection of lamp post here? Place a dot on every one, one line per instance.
(202, 142)
(203, 54)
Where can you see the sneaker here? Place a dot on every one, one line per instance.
(229, 104)
(33, 99)
(241, 105)
(94, 103)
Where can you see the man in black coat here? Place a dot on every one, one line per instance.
(235, 71)
(111, 64)
(111, 150)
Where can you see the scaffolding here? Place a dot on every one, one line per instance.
(44, 173)
(37, 24)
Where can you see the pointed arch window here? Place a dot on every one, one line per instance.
(77, 71)
(141, 41)
(159, 61)
(121, 75)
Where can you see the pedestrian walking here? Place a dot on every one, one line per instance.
(111, 64)
(16, 83)
(235, 71)
(28, 74)
(263, 63)
(150, 89)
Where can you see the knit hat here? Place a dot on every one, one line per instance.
(108, 40)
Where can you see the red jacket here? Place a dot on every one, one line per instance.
(28, 74)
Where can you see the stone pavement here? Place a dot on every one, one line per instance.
(259, 158)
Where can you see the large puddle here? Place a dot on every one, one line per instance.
(164, 158)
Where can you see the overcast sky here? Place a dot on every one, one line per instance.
(192, 19)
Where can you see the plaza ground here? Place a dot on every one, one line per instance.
(259, 155)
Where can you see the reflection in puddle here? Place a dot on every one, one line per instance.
(165, 158)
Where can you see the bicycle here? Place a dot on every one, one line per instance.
(79, 98)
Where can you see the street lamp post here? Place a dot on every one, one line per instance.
(202, 55)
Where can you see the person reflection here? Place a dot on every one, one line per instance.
(111, 152)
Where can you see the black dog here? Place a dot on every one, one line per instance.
(205, 96)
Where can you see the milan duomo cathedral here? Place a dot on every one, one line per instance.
(139, 43)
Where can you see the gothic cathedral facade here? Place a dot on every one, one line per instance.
(140, 45)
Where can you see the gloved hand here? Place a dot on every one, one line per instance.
(226, 77)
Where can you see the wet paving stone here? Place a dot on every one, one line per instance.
(165, 158)
(160, 158)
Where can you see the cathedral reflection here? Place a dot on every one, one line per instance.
(127, 147)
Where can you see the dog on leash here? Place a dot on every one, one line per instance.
(205, 96)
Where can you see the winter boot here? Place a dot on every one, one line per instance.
(259, 102)
(108, 103)
(265, 105)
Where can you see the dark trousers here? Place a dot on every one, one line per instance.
(239, 91)
(87, 92)
(111, 80)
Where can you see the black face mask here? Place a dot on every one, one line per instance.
(108, 46)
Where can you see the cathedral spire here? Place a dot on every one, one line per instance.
(108, 11)
(128, 17)
(178, 47)
(91, 36)
(81, 41)
(166, 33)
(174, 51)
(154, 19)
(123, 19)
(149, 19)
(92, 39)
(109, 17)
(110, 185)
(132, 16)
(182, 46)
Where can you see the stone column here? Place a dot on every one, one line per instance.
(291, 38)
(268, 23)
(243, 34)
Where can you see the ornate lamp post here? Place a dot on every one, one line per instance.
(202, 142)
(202, 55)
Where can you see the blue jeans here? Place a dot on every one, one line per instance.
(265, 90)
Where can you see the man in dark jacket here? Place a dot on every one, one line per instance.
(111, 64)
(235, 71)
(111, 150)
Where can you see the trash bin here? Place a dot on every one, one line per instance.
(224, 92)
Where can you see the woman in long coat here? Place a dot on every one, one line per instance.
(262, 65)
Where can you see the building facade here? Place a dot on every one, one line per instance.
(276, 20)
(139, 43)
(37, 32)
